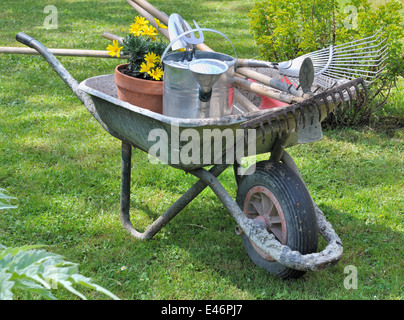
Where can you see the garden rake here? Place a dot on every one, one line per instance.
(356, 59)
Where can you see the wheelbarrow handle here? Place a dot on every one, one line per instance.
(66, 77)
(53, 62)
(24, 39)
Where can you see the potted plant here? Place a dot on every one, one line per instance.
(140, 81)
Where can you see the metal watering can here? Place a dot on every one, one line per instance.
(184, 96)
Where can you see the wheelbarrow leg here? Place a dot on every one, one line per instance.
(267, 242)
(125, 184)
(279, 148)
(170, 213)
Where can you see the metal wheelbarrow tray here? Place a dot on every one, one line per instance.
(293, 219)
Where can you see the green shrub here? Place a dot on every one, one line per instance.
(36, 271)
(285, 29)
(5, 200)
(31, 270)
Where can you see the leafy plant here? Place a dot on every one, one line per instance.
(143, 49)
(5, 200)
(285, 29)
(36, 271)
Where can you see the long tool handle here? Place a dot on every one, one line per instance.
(274, 83)
(66, 77)
(154, 12)
(259, 89)
(145, 13)
(252, 63)
(111, 36)
(62, 52)
(265, 90)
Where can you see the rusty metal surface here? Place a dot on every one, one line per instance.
(300, 121)
(132, 124)
(268, 244)
(316, 108)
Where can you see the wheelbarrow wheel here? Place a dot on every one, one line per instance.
(277, 198)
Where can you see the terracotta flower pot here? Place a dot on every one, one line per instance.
(142, 93)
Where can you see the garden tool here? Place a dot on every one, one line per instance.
(176, 26)
(308, 112)
(63, 52)
(191, 39)
(175, 23)
(360, 58)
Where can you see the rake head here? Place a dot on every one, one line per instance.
(303, 113)
(357, 59)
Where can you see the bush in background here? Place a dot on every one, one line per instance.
(285, 29)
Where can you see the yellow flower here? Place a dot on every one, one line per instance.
(114, 49)
(159, 24)
(136, 29)
(146, 66)
(156, 74)
(141, 20)
(150, 31)
(151, 57)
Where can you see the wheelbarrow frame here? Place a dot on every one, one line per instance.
(260, 237)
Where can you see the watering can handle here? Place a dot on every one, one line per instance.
(195, 30)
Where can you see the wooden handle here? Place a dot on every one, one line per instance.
(246, 103)
(152, 10)
(143, 12)
(111, 36)
(62, 52)
(251, 63)
(265, 90)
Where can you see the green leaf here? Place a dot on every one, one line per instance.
(38, 271)
(68, 286)
(87, 282)
(15, 250)
(6, 286)
(33, 287)
(6, 205)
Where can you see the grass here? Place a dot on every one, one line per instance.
(65, 171)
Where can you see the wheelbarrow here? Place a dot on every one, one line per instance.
(276, 217)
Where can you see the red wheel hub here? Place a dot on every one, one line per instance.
(261, 205)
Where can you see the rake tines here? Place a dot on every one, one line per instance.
(362, 58)
(303, 112)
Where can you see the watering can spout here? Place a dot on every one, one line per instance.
(206, 73)
(184, 89)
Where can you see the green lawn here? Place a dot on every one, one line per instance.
(65, 171)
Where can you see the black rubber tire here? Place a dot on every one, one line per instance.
(298, 211)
